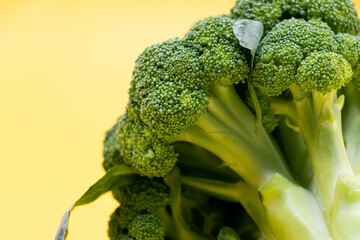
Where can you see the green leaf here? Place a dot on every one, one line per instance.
(117, 176)
(227, 233)
(249, 33)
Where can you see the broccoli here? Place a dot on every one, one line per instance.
(182, 91)
(147, 227)
(349, 48)
(339, 14)
(222, 140)
(304, 57)
(351, 125)
(146, 203)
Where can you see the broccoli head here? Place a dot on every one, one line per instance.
(144, 195)
(147, 227)
(111, 152)
(349, 48)
(303, 53)
(183, 90)
(224, 60)
(340, 15)
(305, 58)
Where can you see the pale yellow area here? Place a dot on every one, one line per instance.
(65, 67)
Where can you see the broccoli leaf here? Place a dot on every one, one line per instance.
(249, 33)
(117, 176)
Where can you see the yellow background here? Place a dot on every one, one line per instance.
(65, 67)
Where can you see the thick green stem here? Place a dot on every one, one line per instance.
(282, 211)
(196, 161)
(292, 211)
(295, 152)
(229, 130)
(317, 118)
(183, 230)
(345, 217)
(169, 224)
(351, 126)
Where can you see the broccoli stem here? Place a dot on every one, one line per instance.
(274, 206)
(295, 152)
(229, 130)
(239, 192)
(292, 211)
(317, 118)
(169, 223)
(195, 161)
(345, 218)
(351, 126)
(183, 230)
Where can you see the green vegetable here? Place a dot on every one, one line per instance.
(245, 128)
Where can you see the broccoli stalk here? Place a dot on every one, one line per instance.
(228, 129)
(233, 192)
(351, 125)
(295, 152)
(317, 118)
(183, 229)
(312, 71)
(282, 205)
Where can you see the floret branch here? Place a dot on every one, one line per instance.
(317, 118)
(237, 140)
(351, 125)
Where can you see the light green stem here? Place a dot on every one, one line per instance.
(317, 118)
(183, 230)
(351, 126)
(233, 192)
(229, 130)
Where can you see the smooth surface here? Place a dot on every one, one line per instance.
(65, 67)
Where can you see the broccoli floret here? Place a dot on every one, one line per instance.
(349, 48)
(144, 195)
(144, 211)
(183, 90)
(268, 12)
(111, 152)
(322, 72)
(222, 57)
(121, 218)
(127, 225)
(340, 15)
(145, 152)
(304, 60)
(147, 227)
(294, 47)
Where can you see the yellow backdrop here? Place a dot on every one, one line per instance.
(65, 67)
